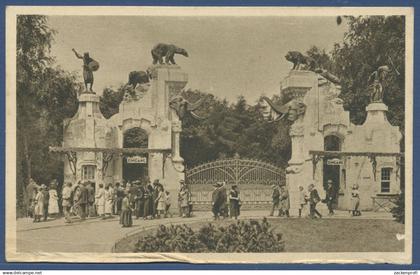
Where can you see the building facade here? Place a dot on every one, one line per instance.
(96, 147)
(327, 146)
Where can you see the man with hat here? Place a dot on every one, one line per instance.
(155, 194)
(276, 199)
(218, 199)
(329, 197)
(91, 199)
(83, 200)
(181, 183)
(139, 199)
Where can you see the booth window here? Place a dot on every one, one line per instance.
(88, 172)
(386, 180)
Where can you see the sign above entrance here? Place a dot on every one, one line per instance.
(137, 159)
(335, 161)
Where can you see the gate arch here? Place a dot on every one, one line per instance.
(253, 177)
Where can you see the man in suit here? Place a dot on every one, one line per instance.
(313, 200)
(139, 199)
(219, 198)
(83, 200)
(45, 201)
(329, 197)
(155, 194)
(91, 199)
(276, 199)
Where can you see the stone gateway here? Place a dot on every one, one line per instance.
(95, 145)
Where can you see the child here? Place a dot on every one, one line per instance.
(302, 200)
(160, 201)
(355, 200)
(167, 203)
(125, 218)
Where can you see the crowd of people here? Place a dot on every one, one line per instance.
(308, 200)
(147, 200)
(139, 198)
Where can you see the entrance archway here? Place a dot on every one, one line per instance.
(135, 167)
(331, 168)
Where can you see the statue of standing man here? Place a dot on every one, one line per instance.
(377, 81)
(89, 66)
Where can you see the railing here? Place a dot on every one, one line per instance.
(254, 180)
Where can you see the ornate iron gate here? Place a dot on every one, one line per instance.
(254, 179)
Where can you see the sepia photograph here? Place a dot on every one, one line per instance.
(209, 135)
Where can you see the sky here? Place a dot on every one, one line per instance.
(228, 56)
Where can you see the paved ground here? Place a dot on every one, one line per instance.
(96, 235)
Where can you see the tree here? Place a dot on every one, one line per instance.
(45, 96)
(322, 58)
(110, 100)
(370, 42)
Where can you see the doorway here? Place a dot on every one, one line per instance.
(332, 165)
(135, 167)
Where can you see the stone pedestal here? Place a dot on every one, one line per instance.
(168, 82)
(85, 130)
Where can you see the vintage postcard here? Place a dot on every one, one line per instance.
(209, 135)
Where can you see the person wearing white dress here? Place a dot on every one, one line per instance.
(160, 200)
(53, 200)
(100, 200)
(108, 201)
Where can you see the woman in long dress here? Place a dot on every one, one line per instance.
(184, 201)
(355, 200)
(126, 219)
(108, 201)
(160, 201)
(39, 205)
(100, 200)
(53, 200)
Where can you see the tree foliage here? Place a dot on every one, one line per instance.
(370, 42)
(45, 96)
(230, 129)
(110, 101)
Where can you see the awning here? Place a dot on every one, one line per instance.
(317, 155)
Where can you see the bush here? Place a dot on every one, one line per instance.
(243, 236)
(398, 212)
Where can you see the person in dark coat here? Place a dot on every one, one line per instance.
(313, 200)
(45, 202)
(218, 200)
(132, 193)
(234, 202)
(276, 199)
(329, 197)
(155, 194)
(125, 217)
(119, 193)
(83, 200)
(148, 202)
(139, 205)
(31, 190)
(91, 199)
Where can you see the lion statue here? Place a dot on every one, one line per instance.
(298, 59)
(168, 51)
